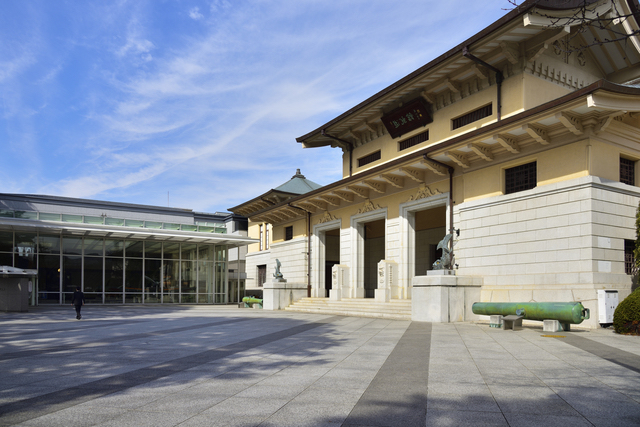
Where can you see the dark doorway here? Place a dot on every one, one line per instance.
(430, 229)
(374, 251)
(331, 255)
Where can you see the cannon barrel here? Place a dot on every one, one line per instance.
(251, 300)
(565, 312)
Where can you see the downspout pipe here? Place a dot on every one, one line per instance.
(346, 144)
(450, 169)
(499, 76)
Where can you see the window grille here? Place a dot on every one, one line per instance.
(629, 263)
(369, 158)
(262, 274)
(472, 116)
(627, 171)
(414, 140)
(520, 178)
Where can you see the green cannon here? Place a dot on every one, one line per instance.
(564, 312)
(249, 301)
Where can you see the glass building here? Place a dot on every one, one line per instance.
(122, 253)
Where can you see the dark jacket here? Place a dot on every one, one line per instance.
(78, 298)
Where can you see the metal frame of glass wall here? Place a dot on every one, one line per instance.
(117, 271)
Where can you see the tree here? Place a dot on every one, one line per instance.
(617, 20)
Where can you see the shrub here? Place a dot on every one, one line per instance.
(626, 318)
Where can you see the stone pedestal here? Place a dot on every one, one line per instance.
(15, 285)
(443, 297)
(278, 294)
(339, 282)
(387, 280)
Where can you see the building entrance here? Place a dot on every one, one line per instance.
(430, 229)
(331, 256)
(374, 250)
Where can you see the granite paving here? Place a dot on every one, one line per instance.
(227, 366)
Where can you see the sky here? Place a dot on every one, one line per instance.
(197, 104)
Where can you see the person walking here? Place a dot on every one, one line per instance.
(78, 302)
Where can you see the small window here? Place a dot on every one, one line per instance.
(414, 140)
(288, 233)
(627, 171)
(520, 178)
(266, 236)
(261, 237)
(629, 263)
(369, 158)
(262, 274)
(472, 116)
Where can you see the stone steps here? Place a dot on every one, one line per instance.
(359, 307)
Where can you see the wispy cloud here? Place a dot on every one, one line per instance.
(142, 100)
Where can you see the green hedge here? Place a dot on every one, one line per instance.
(626, 318)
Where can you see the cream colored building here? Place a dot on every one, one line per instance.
(521, 138)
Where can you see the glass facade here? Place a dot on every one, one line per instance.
(117, 271)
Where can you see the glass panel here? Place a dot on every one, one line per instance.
(133, 248)
(221, 230)
(152, 280)
(189, 298)
(26, 214)
(205, 253)
(114, 221)
(113, 298)
(186, 227)
(72, 269)
(6, 258)
(221, 253)
(206, 229)
(49, 216)
(113, 275)
(71, 218)
(6, 213)
(133, 298)
(48, 298)
(26, 243)
(49, 273)
(93, 275)
(188, 277)
(152, 249)
(221, 299)
(48, 244)
(94, 220)
(93, 247)
(171, 251)
(72, 245)
(92, 298)
(6, 241)
(169, 226)
(221, 278)
(152, 224)
(113, 247)
(205, 299)
(133, 276)
(189, 251)
(170, 277)
(134, 223)
(27, 261)
(205, 277)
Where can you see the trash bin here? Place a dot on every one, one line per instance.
(15, 285)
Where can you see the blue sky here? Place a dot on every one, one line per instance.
(197, 104)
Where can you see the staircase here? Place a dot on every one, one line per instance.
(361, 307)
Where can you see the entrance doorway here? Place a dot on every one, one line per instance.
(374, 250)
(430, 229)
(331, 255)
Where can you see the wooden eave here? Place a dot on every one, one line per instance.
(589, 109)
(501, 43)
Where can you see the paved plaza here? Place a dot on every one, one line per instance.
(224, 366)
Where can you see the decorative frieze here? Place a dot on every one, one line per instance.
(424, 192)
(368, 206)
(326, 217)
